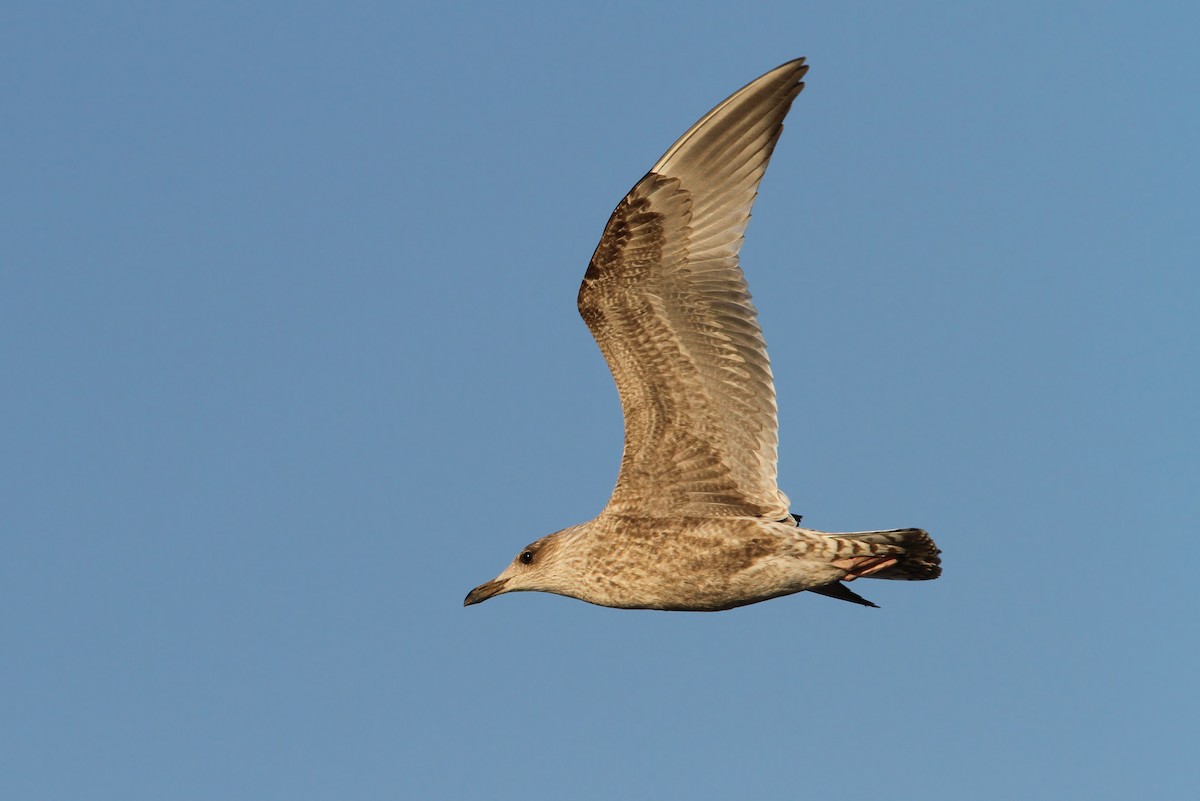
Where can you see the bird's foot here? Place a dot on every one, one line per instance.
(863, 566)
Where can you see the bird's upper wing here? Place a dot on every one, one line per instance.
(668, 305)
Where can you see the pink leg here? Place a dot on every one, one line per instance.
(863, 566)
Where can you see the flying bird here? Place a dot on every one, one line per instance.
(696, 521)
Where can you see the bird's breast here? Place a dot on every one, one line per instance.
(697, 564)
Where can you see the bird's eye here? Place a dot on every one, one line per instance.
(526, 557)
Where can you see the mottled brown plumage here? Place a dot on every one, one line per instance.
(696, 521)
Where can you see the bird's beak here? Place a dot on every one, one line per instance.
(485, 591)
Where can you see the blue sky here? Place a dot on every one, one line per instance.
(291, 362)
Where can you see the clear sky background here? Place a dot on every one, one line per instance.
(290, 361)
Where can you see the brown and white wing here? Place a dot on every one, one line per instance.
(668, 305)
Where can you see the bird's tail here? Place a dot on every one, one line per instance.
(917, 557)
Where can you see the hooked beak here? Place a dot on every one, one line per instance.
(485, 591)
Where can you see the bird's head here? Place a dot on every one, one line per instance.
(547, 565)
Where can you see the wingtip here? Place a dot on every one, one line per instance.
(760, 105)
(798, 65)
(841, 592)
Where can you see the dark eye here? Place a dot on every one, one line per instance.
(526, 557)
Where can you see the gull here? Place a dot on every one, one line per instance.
(696, 521)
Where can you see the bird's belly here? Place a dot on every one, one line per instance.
(696, 569)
